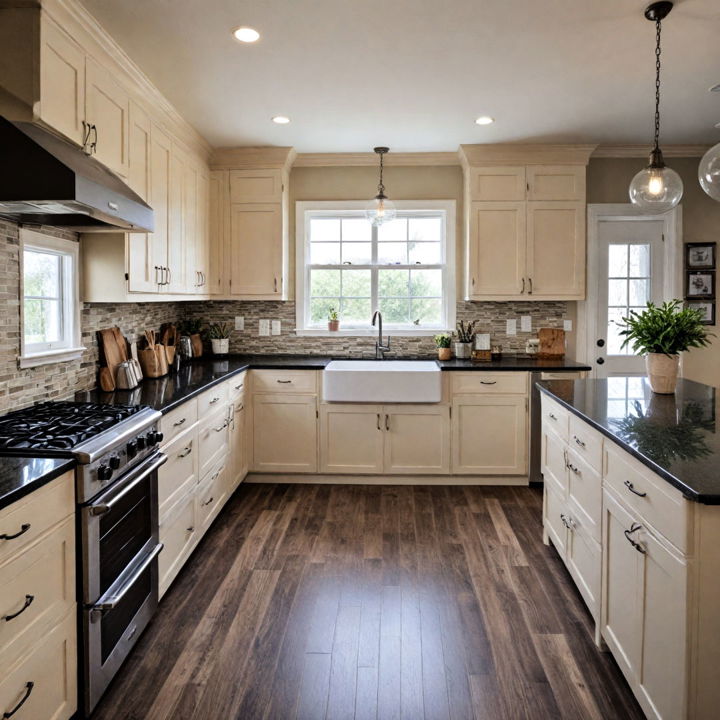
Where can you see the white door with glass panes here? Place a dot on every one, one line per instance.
(631, 263)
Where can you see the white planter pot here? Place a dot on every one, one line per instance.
(220, 347)
(662, 372)
(463, 350)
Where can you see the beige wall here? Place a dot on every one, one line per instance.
(608, 181)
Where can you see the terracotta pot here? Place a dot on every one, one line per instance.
(220, 346)
(444, 353)
(333, 325)
(662, 372)
(463, 350)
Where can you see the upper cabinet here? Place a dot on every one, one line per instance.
(525, 223)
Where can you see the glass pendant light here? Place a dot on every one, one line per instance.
(709, 172)
(380, 210)
(656, 188)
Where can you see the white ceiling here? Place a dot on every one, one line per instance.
(414, 74)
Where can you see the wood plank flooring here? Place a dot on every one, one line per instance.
(369, 602)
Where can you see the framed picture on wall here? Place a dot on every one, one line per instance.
(700, 256)
(700, 285)
(707, 307)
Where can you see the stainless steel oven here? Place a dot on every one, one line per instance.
(120, 546)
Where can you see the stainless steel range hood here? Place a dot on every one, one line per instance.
(45, 180)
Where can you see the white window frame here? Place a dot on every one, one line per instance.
(305, 210)
(70, 346)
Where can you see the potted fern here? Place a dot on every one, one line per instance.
(442, 343)
(465, 336)
(661, 333)
(219, 334)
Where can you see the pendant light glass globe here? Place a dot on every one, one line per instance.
(655, 190)
(709, 172)
(380, 210)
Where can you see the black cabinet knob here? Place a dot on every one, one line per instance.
(114, 462)
(600, 361)
(601, 343)
(104, 472)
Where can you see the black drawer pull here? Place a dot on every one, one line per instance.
(632, 489)
(185, 452)
(207, 502)
(488, 382)
(552, 417)
(578, 441)
(285, 382)
(28, 689)
(633, 529)
(214, 400)
(237, 387)
(179, 422)
(23, 529)
(28, 603)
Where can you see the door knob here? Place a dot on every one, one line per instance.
(600, 342)
(600, 361)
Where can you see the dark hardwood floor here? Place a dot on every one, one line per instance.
(307, 601)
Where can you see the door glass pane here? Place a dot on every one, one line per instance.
(639, 261)
(614, 339)
(617, 260)
(617, 292)
(639, 292)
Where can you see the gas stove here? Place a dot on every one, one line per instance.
(105, 440)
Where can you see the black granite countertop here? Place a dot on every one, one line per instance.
(21, 476)
(676, 436)
(168, 392)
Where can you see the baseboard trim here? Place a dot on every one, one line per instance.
(316, 479)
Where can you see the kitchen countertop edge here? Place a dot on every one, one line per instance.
(39, 471)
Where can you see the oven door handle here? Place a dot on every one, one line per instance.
(104, 507)
(111, 600)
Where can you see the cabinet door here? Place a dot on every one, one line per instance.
(497, 184)
(554, 462)
(417, 439)
(200, 270)
(256, 250)
(496, 262)
(107, 106)
(489, 435)
(583, 559)
(191, 227)
(556, 250)
(62, 82)
(161, 151)
(555, 519)
(218, 274)
(211, 494)
(179, 532)
(256, 186)
(556, 182)
(212, 440)
(351, 439)
(238, 454)
(285, 433)
(178, 234)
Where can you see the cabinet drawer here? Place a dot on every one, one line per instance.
(31, 516)
(584, 559)
(554, 462)
(554, 512)
(178, 534)
(555, 417)
(212, 399)
(211, 495)
(586, 442)
(296, 381)
(585, 491)
(38, 589)
(654, 500)
(236, 387)
(179, 420)
(180, 472)
(46, 676)
(212, 441)
(495, 383)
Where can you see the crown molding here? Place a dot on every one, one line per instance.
(252, 158)
(398, 159)
(524, 154)
(642, 151)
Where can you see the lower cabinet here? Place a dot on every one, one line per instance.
(238, 465)
(351, 439)
(179, 533)
(211, 496)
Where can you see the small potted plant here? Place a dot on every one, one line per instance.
(192, 328)
(333, 320)
(442, 343)
(219, 334)
(465, 336)
(661, 333)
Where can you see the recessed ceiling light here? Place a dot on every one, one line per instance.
(281, 119)
(715, 88)
(485, 120)
(246, 34)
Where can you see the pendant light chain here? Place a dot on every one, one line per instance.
(658, 27)
(381, 187)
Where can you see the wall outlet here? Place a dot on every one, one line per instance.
(239, 323)
(276, 327)
(264, 327)
(567, 325)
(511, 327)
(525, 323)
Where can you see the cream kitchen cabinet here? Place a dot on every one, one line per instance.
(238, 466)
(351, 439)
(218, 278)
(179, 533)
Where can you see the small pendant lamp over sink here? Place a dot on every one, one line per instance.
(656, 188)
(380, 210)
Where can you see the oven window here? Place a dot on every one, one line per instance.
(124, 531)
(116, 621)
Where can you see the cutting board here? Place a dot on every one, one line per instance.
(552, 343)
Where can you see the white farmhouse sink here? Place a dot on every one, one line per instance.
(382, 381)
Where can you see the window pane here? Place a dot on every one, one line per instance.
(617, 292)
(427, 311)
(320, 309)
(639, 292)
(42, 321)
(393, 231)
(425, 229)
(325, 230)
(325, 253)
(325, 283)
(639, 261)
(395, 310)
(356, 230)
(618, 260)
(426, 283)
(41, 273)
(356, 311)
(614, 339)
(393, 283)
(356, 283)
(357, 253)
(392, 253)
(426, 253)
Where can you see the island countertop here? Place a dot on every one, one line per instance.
(676, 436)
(20, 476)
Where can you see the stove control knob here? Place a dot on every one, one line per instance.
(132, 449)
(141, 442)
(154, 437)
(114, 462)
(104, 472)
